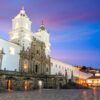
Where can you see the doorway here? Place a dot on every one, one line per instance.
(36, 69)
(9, 84)
(26, 85)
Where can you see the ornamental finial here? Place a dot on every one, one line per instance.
(42, 26)
(22, 7)
(42, 22)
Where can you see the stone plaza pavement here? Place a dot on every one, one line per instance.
(68, 94)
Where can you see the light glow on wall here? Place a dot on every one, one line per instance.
(95, 81)
(89, 81)
(25, 66)
(16, 26)
(14, 37)
(28, 38)
(26, 85)
(40, 84)
(26, 26)
(11, 51)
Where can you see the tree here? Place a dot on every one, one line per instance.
(66, 77)
(72, 77)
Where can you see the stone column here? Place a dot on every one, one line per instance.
(32, 67)
(0, 61)
(42, 68)
(21, 65)
(29, 66)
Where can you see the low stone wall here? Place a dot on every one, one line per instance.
(13, 80)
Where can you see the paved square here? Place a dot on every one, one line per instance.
(69, 94)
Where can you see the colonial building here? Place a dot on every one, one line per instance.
(25, 57)
(25, 46)
(94, 81)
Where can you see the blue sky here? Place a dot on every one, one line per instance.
(74, 26)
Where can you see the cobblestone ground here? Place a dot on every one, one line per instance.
(80, 94)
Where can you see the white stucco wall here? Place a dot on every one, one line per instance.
(10, 62)
(58, 66)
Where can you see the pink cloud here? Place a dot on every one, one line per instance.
(77, 57)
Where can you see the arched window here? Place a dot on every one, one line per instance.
(56, 65)
(37, 52)
(11, 51)
(25, 66)
(47, 69)
(36, 68)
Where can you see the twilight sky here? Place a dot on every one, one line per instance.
(74, 26)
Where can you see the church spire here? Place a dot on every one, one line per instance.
(42, 27)
(22, 11)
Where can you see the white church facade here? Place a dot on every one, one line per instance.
(14, 52)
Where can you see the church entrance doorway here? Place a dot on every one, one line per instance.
(60, 83)
(36, 69)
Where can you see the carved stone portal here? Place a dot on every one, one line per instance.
(33, 60)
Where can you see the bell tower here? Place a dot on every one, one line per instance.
(44, 36)
(21, 29)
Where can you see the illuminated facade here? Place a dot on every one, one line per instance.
(94, 81)
(15, 57)
(29, 53)
(60, 68)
